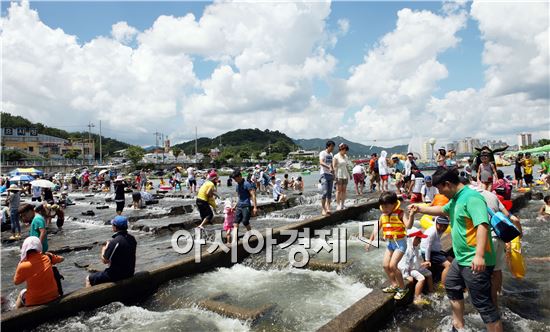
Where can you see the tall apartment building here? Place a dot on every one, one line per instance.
(524, 139)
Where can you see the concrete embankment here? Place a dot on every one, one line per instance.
(373, 310)
(144, 283)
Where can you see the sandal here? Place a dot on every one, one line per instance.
(390, 289)
(401, 294)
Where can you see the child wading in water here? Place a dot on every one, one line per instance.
(394, 224)
(229, 211)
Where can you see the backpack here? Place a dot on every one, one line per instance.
(57, 276)
(375, 168)
(503, 227)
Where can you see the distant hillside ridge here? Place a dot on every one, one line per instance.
(109, 145)
(355, 149)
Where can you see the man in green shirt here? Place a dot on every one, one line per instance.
(473, 249)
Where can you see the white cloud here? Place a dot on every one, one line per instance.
(516, 47)
(49, 77)
(123, 33)
(395, 85)
(398, 76)
(515, 97)
(269, 54)
(269, 58)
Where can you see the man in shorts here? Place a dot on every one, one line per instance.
(246, 194)
(327, 176)
(496, 205)
(474, 254)
(191, 181)
(374, 172)
(409, 163)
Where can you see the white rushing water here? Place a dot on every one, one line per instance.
(304, 300)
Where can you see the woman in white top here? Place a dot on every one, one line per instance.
(383, 170)
(340, 164)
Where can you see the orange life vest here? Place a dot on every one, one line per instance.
(392, 226)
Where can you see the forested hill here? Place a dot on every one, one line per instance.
(109, 145)
(244, 143)
(355, 149)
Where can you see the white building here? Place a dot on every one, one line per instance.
(303, 154)
(426, 152)
(524, 139)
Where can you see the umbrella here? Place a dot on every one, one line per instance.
(103, 171)
(43, 184)
(21, 178)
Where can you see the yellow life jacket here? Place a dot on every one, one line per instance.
(392, 226)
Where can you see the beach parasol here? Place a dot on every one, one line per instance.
(43, 183)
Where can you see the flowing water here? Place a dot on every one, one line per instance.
(298, 299)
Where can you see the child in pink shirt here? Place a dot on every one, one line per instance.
(229, 211)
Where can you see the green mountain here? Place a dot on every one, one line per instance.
(355, 149)
(244, 144)
(109, 145)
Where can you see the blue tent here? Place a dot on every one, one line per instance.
(28, 171)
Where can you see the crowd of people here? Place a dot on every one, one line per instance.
(465, 201)
(458, 200)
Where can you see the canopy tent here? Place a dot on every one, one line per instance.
(540, 149)
(29, 171)
(23, 177)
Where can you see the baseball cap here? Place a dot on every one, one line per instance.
(442, 220)
(120, 222)
(418, 234)
(428, 178)
(212, 175)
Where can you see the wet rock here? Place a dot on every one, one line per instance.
(188, 208)
(92, 268)
(316, 265)
(151, 202)
(102, 207)
(537, 196)
(65, 249)
(176, 210)
(79, 198)
(234, 311)
(89, 195)
(108, 199)
(88, 213)
(81, 265)
(136, 227)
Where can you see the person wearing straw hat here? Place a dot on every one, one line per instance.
(13, 201)
(36, 269)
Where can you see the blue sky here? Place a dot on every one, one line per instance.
(272, 65)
